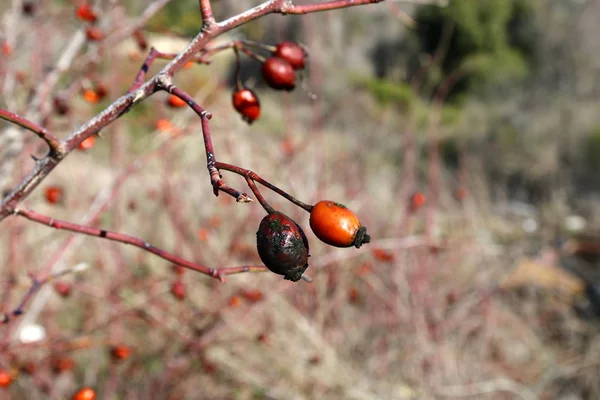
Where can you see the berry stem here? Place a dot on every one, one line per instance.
(246, 173)
(238, 69)
(215, 177)
(259, 196)
(259, 45)
(252, 54)
(51, 140)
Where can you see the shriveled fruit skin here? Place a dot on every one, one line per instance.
(282, 246)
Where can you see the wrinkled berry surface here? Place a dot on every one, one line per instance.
(282, 246)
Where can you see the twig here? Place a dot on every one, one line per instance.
(124, 103)
(207, 15)
(259, 196)
(246, 173)
(141, 75)
(215, 177)
(51, 140)
(218, 273)
(330, 5)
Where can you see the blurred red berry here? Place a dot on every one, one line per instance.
(53, 194)
(246, 103)
(85, 393)
(94, 34)
(382, 255)
(90, 96)
(87, 143)
(291, 52)
(178, 290)
(253, 296)
(234, 301)
(279, 74)
(417, 201)
(62, 288)
(5, 378)
(178, 269)
(62, 364)
(120, 353)
(353, 295)
(176, 102)
(85, 13)
(7, 49)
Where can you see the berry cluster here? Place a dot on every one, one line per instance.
(283, 246)
(278, 71)
(86, 13)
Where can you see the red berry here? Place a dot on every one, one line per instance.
(234, 301)
(417, 201)
(85, 394)
(62, 288)
(85, 13)
(253, 296)
(178, 269)
(246, 103)
(94, 34)
(279, 74)
(53, 194)
(62, 364)
(87, 143)
(176, 102)
(60, 105)
(336, 225)
(7, 49)
(5, 378)
(178, 290)
(292, 53)
(119, 353)
(282, 246)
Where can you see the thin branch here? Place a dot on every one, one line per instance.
(259, 196)
(215, 177)
(124, 103)
(207, 15)
(330, 5)
(46, 136)
(246, 173)
(218, 273)
(141, 75)
(36, 285)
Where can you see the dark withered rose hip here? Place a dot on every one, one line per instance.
(282, 246)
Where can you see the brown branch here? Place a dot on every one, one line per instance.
(51, 140)
(215, 177)
(218, 273)
(330, 5)
(246, 173)
(124, 103)
(207, 15)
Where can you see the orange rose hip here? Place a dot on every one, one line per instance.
(337, 226)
